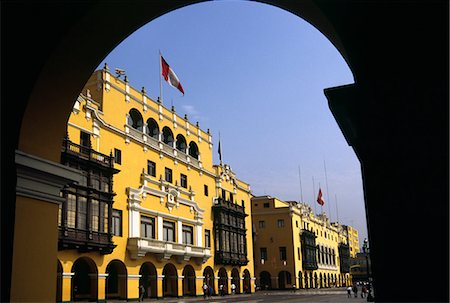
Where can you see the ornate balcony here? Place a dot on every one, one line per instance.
(139, 247)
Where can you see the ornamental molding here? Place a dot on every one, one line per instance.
(41, 179)
(169, 195)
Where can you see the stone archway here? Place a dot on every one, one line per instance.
(247, 286)
(189, 281)
(236, 280)
(149, 280)
(265, 280)
(223, 280)
(116, 281)
(170, 281)
(85, 280)
(208, 273)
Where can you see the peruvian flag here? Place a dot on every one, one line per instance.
(319, 198)
(170, 76)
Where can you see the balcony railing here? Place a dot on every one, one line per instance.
(83, 240)
(87, 153)
(139, 247)
(228, 204)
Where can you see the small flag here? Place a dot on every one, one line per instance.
(170, 76)
(319, 198)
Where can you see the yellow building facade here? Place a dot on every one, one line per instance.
(293, 248)
(154, 216)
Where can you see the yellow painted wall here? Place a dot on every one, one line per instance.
(34, 231)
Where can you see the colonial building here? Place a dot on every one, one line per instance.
(292, 246)
(152, 209)
(352, 239)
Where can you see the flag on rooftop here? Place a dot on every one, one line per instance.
(320, 200)
(170, 76)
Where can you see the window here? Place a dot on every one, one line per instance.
(283, 256)
(183, 180)
(85, 139)
(117, 156)
(151, 168)
(95, 215)
(167, 136)
(205, 189)
(134, 119)
(81, 212)
(116, 222)
(147, 227)
(296, 223)
(187, 234)
(280, 223)
(169, 231)
(207, 238)
(71, 210)
(168, 175)
(193, 150)
(266, 205)
(263, 252)
(152, 128)
(181, 143)
(262, 224)
(298, 253)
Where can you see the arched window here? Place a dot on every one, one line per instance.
(181, 143)
(152, 128)
(134, 119)
(193, 150)
(167, 136)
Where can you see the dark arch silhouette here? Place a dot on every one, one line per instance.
(61, 65)
(167, 136)
(170, 281)
(265, 280)
(85, 280)
(116, 281)
(247, 286)
(134, 119)
(223, 279)
(149, 279)
(181, 143)
(208, 273)
(152, 128)
(189, 281)
(236, 280)
(193, 150)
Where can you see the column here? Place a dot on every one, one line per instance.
(133, 287)
(101, 294)
(252, 284)
(180, 286)
(160, 286)
(160, 228)
(67, 286)
(180, 232)
(199, 235)
(199, 285)
(216, 283)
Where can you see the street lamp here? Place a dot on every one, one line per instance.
(366, 250)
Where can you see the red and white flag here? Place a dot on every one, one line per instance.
(320, 200)
(170, 76)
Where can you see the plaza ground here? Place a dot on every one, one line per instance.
(335, 295)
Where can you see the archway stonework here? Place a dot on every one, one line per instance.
(367, 112)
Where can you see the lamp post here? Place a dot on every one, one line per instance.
(366, 250)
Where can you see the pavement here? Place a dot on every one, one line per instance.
(335, 295)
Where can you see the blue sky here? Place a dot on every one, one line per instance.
(256, 73)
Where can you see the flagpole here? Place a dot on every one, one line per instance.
(337, 211)
(220, 151)
(160, 81)
(328, 193)
(321, 205)
(300, 178)
(314, 194)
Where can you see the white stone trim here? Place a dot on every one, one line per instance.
(160, 277)
(104, 276)
(199, 277)
(68, 275)
(134, 277)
